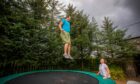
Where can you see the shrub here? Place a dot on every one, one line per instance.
(117, 73)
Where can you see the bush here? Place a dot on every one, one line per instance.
(117, 73)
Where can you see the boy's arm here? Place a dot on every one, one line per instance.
(60, 26)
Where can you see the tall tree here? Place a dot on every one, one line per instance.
(114, 40)
(97, 38)
(25, 38)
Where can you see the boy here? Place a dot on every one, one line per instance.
(64, 26)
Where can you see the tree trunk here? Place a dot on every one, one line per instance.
(130, 68)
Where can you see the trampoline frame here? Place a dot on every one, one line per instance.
(3, 80)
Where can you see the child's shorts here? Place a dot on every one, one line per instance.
(65, 36)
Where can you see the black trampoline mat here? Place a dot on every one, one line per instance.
(54, 78)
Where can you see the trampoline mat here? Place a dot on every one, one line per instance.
(54, 78)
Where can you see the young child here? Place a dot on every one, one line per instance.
(103, 69)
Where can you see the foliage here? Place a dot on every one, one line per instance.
(117, 73)
(111, 42)
(25, 38)
(28, 35)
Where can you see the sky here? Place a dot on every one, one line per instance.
(124, 13)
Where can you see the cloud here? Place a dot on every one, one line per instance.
(134, 6)
(121, 12)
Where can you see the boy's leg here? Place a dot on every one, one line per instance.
(66, 50)
(69, 49)
(69, 45)
(64, 39)
(66, 45)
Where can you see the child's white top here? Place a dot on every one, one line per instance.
(102, 69)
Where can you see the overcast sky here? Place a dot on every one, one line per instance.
(121, 12)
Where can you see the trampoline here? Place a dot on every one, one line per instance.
(55, 77)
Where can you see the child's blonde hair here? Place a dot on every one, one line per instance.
(105, 61)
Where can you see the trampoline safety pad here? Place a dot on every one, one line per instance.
(55, 77)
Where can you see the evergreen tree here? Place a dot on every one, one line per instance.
(115, 43)
(25, 38)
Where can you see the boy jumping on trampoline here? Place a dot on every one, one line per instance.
(103, 69)
(64, 26)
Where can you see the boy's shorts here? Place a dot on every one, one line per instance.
(65, 36)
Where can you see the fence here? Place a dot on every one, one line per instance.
(77, 64)
(86, 64)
